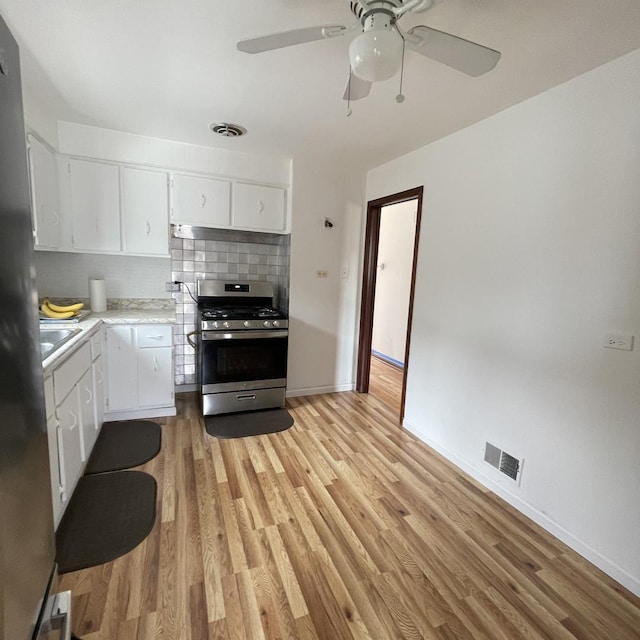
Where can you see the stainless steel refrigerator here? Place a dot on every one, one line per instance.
(27, 551)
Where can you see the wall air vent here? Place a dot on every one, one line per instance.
(503, 461)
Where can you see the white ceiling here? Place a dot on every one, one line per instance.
(168, 68)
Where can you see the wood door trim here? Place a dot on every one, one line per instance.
(369, 274)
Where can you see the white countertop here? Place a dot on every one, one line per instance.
(92, 323)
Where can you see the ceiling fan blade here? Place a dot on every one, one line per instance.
(356, 88)
(463, 55)
(289, 38)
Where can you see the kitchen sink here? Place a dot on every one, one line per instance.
(52, 339)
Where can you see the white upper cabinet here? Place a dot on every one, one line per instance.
(258, 208)
(44, 194)
(95, 206)
(201, 202)
(145, 211)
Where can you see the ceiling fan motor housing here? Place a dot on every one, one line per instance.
(362, 9)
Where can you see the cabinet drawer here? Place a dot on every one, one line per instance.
(153, 336)
(68, 373)
(96, 345)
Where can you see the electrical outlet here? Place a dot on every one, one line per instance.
(321, 273)
(172, 286)
(616, 341)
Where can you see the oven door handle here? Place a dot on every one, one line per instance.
(243, 335)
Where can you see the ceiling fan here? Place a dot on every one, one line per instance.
(377, 53)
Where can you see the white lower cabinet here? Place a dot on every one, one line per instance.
(155, 378)
(139, 381)
(74, 416)
(52, 437)
(121, 369)
(87, 414)
(70, 448)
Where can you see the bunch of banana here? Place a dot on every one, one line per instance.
(51, 310)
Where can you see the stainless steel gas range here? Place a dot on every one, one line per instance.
(242, 347)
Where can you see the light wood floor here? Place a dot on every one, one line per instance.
(385, 383)
(342, 527)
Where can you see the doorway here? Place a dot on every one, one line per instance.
(394, 365)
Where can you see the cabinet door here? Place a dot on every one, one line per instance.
(145, 211)
(257, 207)
(69, 443)
(155, 377)
(202, 202)
(97, 368)
(54, 467)
(52, 440)
(87, 414)
(95, 206)
(44, 195)
(121, 369)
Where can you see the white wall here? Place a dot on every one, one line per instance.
(530, 254)
(393, 280)
(323, 311)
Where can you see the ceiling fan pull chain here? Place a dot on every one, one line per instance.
(400, 97)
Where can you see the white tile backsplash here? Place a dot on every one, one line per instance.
(66, 275)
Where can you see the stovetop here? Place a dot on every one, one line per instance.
(239, 313)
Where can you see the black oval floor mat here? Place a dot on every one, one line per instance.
(251, 423)
(109, 515)
(122, 445)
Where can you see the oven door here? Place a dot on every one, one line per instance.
(239, 360)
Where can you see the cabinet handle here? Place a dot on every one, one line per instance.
(89, 394)
(60, 462)
(75, 421)
(204, 200)
(260, 207)
(156, 365)
(56, 217)
(100, 376)
(155, 337)
(148, 228)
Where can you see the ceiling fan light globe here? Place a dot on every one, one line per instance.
(376, 54)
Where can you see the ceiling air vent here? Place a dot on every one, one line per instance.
(503, 461)
(227, 129)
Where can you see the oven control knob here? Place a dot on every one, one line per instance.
(215, 324)
(276, 323)
(246, 323)
(266, 323)
(225, 324)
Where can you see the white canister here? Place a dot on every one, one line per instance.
(97, 295)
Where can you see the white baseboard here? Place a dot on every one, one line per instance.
(139, 414)
(314, 391)
(593, 556)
